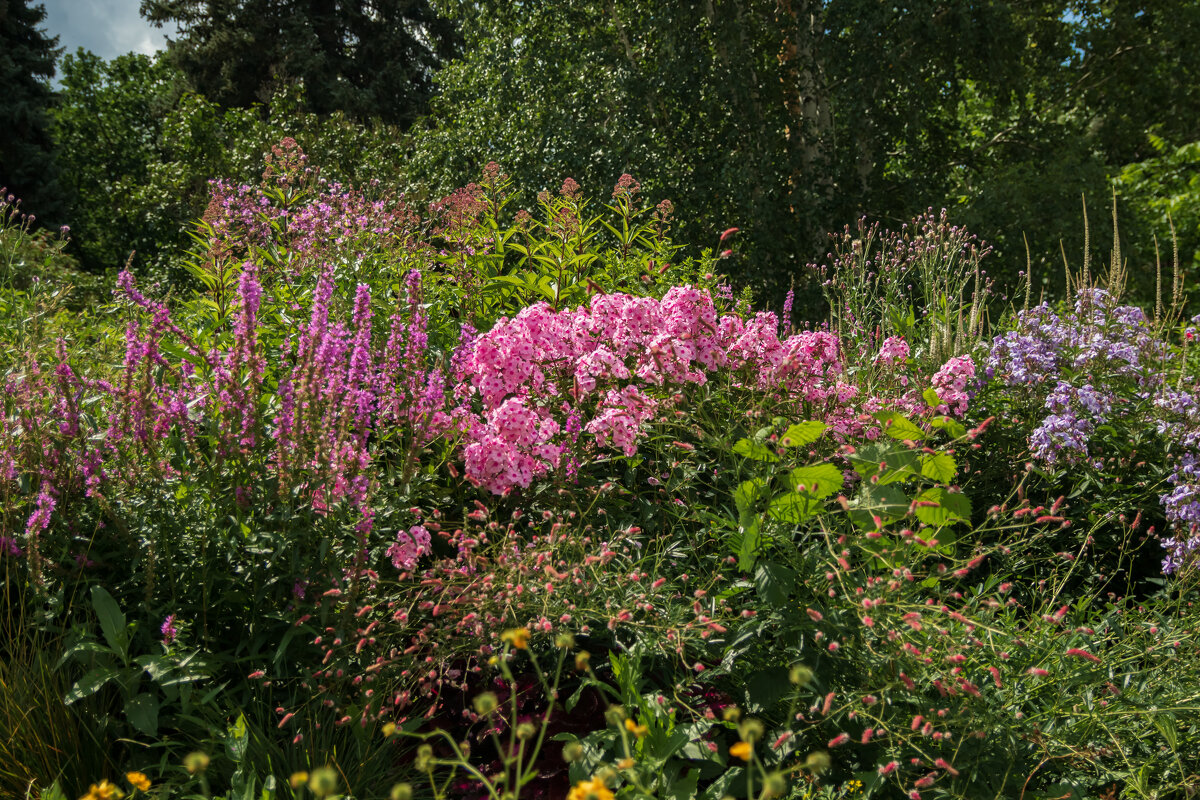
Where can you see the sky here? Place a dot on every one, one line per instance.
(106, 27)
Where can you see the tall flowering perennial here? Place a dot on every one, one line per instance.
(1105, 363)
(619, 362)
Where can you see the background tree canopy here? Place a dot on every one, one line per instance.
(367, 59)
(793, 118)
(27, 57)
(785, 118)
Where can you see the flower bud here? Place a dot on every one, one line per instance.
(323, 782)
(800, 675)
(751, 731)
(572, 751)
(817, 762)
(486, 703)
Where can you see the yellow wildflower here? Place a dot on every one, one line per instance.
(103, 791)
(637, 730)
(590, 790)
(389, 729)
(298, 779)
(742, 750)
(138, 780)
(195, 762)
(625, 763)
(517, 637)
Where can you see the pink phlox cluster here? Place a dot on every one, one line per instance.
(622, 415)
(409, 546)
(511, 446)
(616, 354)
(894, 350)
(955, 385)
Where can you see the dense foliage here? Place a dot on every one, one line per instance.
(462, 499)
(366, 59)
(27, 56)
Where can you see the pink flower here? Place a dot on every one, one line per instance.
(409, 547)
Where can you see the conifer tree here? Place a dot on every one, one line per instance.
(27, 57)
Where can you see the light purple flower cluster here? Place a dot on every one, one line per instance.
(1104, 363)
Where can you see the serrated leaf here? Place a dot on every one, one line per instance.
(898, 426)
(950, 426)
(819, 480)
(938, 467)
(886, 502)
(931, 398)
(949, 507)
(754, 450)
(793, 507)
(803, 433)
(774, 582)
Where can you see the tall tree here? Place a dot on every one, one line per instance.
(27, 55)
(368, 58)
(789, 118)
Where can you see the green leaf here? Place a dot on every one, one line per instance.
(774, 582)
(89, 684)
(899, 427)
(819, 480)
(748, 552)
(142, 713)
(1166, 726)
(793, 507)
(931, 398)
(886, 502)
(754, 450)
(950, 426)
(803, 433)
(938, 467)
(949, 508)
(685, 788)
(237, 738)
(892, 461)
(747, 497)
(112, 621)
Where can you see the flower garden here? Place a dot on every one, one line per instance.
(472, 501)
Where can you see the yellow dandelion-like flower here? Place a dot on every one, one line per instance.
(741, 750)
(637, 730)
(298, 779)
(590, 790)
(517, 637)
(389, 729)
(138, 780)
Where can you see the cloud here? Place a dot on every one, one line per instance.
(106, 27)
